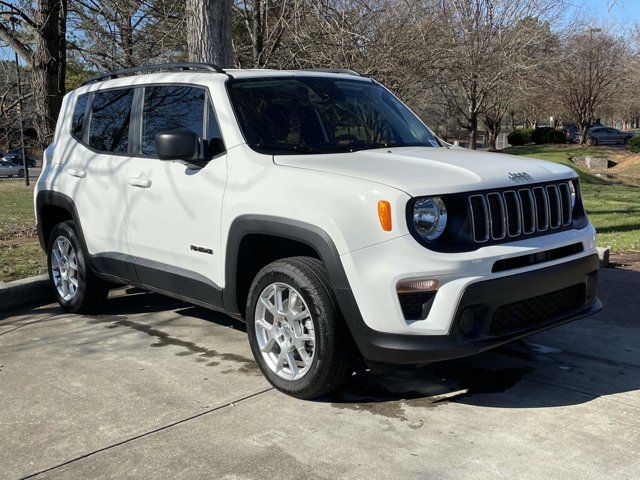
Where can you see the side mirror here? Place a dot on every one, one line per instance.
(174, 145)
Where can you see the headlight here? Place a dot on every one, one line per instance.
(572, 191)
(429, 217)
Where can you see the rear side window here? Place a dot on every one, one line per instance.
(171, 108)
(78, 116)
(109, 125)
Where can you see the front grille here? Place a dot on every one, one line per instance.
(537, 310)
(520, 212)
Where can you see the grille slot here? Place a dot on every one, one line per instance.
(527, 211)
(565, 204)
(514, 219)
(555, 215)
(537, 310)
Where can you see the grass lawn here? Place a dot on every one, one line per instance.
(613, 209)
(20, 252)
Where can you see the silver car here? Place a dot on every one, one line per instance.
(608, 136)
(9, 169)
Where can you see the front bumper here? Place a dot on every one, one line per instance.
(485, 299)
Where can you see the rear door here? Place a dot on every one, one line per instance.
(94, 172)
(174, 207)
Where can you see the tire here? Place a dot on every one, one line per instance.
(309, 290)
(627, 140)
(21, 173)
(90, 292)
(592, 142)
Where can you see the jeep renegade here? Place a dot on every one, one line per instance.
(315, 206)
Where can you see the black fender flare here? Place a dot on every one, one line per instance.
(305, 233)
(57, 199)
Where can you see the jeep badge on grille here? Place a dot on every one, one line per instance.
(520, 177)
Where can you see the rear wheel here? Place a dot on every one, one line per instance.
(76, 287)
(295, 329)
(592, 142)
(627, 140)
(20, 173)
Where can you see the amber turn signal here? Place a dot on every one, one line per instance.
(384, 214)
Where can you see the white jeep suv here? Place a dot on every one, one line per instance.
(315, 206)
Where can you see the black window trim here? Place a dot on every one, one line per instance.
(135, 119)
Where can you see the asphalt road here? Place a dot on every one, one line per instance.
(158, 389)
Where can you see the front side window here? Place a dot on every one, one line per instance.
(323, 115)
(78, 116)
(109, 125)
(169, 108)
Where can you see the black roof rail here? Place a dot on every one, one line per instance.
(333, 70)
(204, 67)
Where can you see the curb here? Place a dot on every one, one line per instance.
(28, 291)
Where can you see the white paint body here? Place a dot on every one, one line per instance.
(338, 193)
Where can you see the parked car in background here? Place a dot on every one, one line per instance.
(8, 169)
(571, 132)
(15, 156)
(608, 136)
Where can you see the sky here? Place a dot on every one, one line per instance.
(617, 13)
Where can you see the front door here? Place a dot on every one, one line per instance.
(174, 207)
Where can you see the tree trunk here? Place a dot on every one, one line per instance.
(473, 131)
(209, 31)
(257, 32)
(49, 65)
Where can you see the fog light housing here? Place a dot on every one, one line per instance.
(416, 297)
(467, 321)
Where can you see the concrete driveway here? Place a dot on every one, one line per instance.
(157, 389)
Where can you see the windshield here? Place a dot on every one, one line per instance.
(323, 115)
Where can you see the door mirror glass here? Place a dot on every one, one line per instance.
(177, 145)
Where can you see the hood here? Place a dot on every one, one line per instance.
(431, 171)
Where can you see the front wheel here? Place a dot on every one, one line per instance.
(296, 332)
(76, 287)
(592, 142)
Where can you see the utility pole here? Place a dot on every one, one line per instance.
(25, 167)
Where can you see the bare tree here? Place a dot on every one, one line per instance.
(43, 47)
(591, 75)
(113, 34)
(209, 31)
(489, 41)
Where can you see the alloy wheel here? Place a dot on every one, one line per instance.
(64, 268)
(285, 332)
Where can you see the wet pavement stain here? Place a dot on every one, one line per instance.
(163, 339)
(389, 394)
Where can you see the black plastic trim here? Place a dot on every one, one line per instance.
(310, 235)
(412, 349)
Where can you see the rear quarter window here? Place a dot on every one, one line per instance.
(78, 116)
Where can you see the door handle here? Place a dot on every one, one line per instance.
(140, 182)
(77, 173)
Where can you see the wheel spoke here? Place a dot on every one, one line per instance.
(279, 302)
(305, 338)
(269, 345)
(268, 305)
(297, 317)
(282, 357)
(291, 361)
(304, 355)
